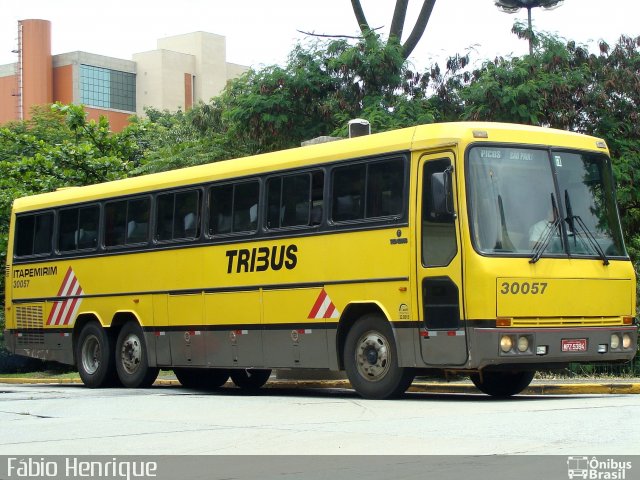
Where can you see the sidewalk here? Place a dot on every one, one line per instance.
(537, 387)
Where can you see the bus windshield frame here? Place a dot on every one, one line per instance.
(536, 201)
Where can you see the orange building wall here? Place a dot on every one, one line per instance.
(117, 120)
(188, 91)
(8, 102)
(37, 75)
(63, 84)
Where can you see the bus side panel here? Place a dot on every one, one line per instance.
(234, 337)
(291, 337)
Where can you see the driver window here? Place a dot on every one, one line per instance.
(439, 245)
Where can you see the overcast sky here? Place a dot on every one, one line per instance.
(261, 32)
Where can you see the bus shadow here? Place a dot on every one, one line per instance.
(345, 393)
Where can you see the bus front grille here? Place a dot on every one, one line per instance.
(567, 322)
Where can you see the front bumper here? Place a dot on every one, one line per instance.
(594, 345)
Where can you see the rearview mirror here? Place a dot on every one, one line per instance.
(442, 193)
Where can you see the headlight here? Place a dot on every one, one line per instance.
(615, 341)
(506, 344)
(626, 341)
(523, 344)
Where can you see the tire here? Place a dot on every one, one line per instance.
(201, 378)
(94, 356)
(502, 384)
(250, 378)
(371, 360)
(131, 358)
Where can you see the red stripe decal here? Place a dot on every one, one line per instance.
(330, 309)
(318, 304)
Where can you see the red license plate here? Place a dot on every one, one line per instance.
(574, 345)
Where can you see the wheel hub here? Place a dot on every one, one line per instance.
(373, 356)
(91, 355)
(131, 353)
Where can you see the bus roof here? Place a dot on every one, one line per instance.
(412, 138)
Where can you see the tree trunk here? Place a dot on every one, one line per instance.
(397, 23)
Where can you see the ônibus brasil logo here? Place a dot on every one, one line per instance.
(596, 469)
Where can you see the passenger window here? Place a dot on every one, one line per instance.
(295, 200)
(384, 188)
(78, 228)
(33, 234)
(178, 216)
(127, 222)
(348, 192)
(368, 190)
(233, 208)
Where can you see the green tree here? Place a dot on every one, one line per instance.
(171, 140)
(57, 148)
(321, 87)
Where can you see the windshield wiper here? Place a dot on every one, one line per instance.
(547, 233)
(575, 220)
(545, 239)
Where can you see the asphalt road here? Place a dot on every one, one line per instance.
(72, 419)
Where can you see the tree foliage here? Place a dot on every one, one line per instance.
(58, 148)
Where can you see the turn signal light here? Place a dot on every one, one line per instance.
(627, 320)
(503, 322)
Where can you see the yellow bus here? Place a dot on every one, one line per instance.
(484, 249)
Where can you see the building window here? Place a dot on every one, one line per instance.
(105, 88)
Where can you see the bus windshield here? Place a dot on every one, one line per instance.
(516, 208)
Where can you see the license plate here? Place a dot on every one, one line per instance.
(574, 345)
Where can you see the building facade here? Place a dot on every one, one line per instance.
(183, 70)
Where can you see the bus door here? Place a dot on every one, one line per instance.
(439, 266)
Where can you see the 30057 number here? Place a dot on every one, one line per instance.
(21, 284)
(523, 288)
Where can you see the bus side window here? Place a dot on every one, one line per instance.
(138, 213)
(127, 222)
(78, 228)
(186, 218)
(245, 201)
(295, 200)
(368, 190)
(233, 208)
(178, 216)
(33, 234)
(348, 192)
(385, 181)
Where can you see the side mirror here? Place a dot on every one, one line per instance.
(442, 193)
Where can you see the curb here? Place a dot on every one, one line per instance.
(535, 388)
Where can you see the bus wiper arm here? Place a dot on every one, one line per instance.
(574, 220)
(592, 240)
(546, 237)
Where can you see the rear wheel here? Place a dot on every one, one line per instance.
(201, 378)
(371, 360)
(250, 378)
(502, 384)
(94, 356)
(132, 362)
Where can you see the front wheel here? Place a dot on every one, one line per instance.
(502, 384)
(371, 360)
(250, 378)
(94, 356)
(132, 361)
